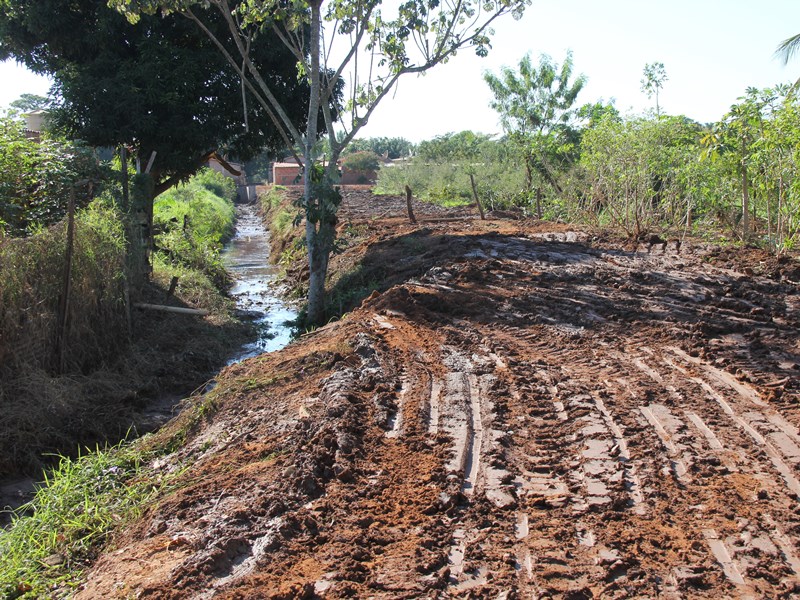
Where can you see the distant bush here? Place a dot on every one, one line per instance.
(215, 182)
(361, 161)
(499, 184)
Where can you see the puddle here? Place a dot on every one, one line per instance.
(13, 494)
(256, 289)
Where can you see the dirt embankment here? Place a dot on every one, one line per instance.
(527, 412)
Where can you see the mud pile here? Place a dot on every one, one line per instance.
(530, 413)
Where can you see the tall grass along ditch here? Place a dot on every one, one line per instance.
(84, 499)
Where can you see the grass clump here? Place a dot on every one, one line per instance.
(55, 537)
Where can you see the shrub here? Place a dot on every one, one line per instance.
(192, 223)
(36, 178)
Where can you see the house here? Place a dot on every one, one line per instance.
(289, 172)
(286, 172)
(35, 124)
(230, 169)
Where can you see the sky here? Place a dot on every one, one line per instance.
(712, 50)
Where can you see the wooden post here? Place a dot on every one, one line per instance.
(63, 304)
(150, 162)
(126, 198)
(126, 291)
(475, 195)
(539, 203)
(411, 216)
(172, 309)
(172, 285)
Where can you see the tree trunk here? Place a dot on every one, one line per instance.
(318, 267)
(528, 177)
(745, 202)
(539, 203)
(317, 254)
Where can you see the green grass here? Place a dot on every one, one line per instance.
(55, 537)
(192, 222)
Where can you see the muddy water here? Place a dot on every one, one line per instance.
(256, 290)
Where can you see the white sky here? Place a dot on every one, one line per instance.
(712, 51)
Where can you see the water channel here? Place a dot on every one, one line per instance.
(257, 285)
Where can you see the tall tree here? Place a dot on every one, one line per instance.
(536, 110)
(786, 51)
(28, 102)
(655, 76)
(788, 48)
(377, 49)
(159, 86)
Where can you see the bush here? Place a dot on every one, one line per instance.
(361, 161)
(192, 223)
(38, 410)
(36, 178)
(499, 184)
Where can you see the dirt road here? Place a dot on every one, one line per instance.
(534, 414)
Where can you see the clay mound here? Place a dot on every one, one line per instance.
(530, 415)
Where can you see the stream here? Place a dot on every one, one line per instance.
(256, 292)
(256, 288)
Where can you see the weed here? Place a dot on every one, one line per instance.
(56, 536)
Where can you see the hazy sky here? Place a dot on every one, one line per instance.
(712, 51)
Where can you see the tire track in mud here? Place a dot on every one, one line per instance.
(756, 535)
(665, 414)
(674, 434)
(456, 407)
(535, 418)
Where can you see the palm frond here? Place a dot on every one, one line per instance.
(788, 48)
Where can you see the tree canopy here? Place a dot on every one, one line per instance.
(535, 106)
(157, 86)
(654, 78)
(28, 102)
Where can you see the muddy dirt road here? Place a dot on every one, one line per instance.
(534, 414)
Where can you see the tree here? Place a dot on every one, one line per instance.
(638, 170)
(29, 102)
(157, 87)
(655, 75)
(365, 160)
(378, 49)
(464, 145)
(536, 109)
(382, 146)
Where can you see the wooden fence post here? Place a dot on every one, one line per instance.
(63, 304)
(475, 195)
(123, 158)
(408, 203)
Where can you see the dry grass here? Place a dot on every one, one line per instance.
(109, 373)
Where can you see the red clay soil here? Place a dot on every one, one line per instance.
(529, 412)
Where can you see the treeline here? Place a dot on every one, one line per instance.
(738, 177)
